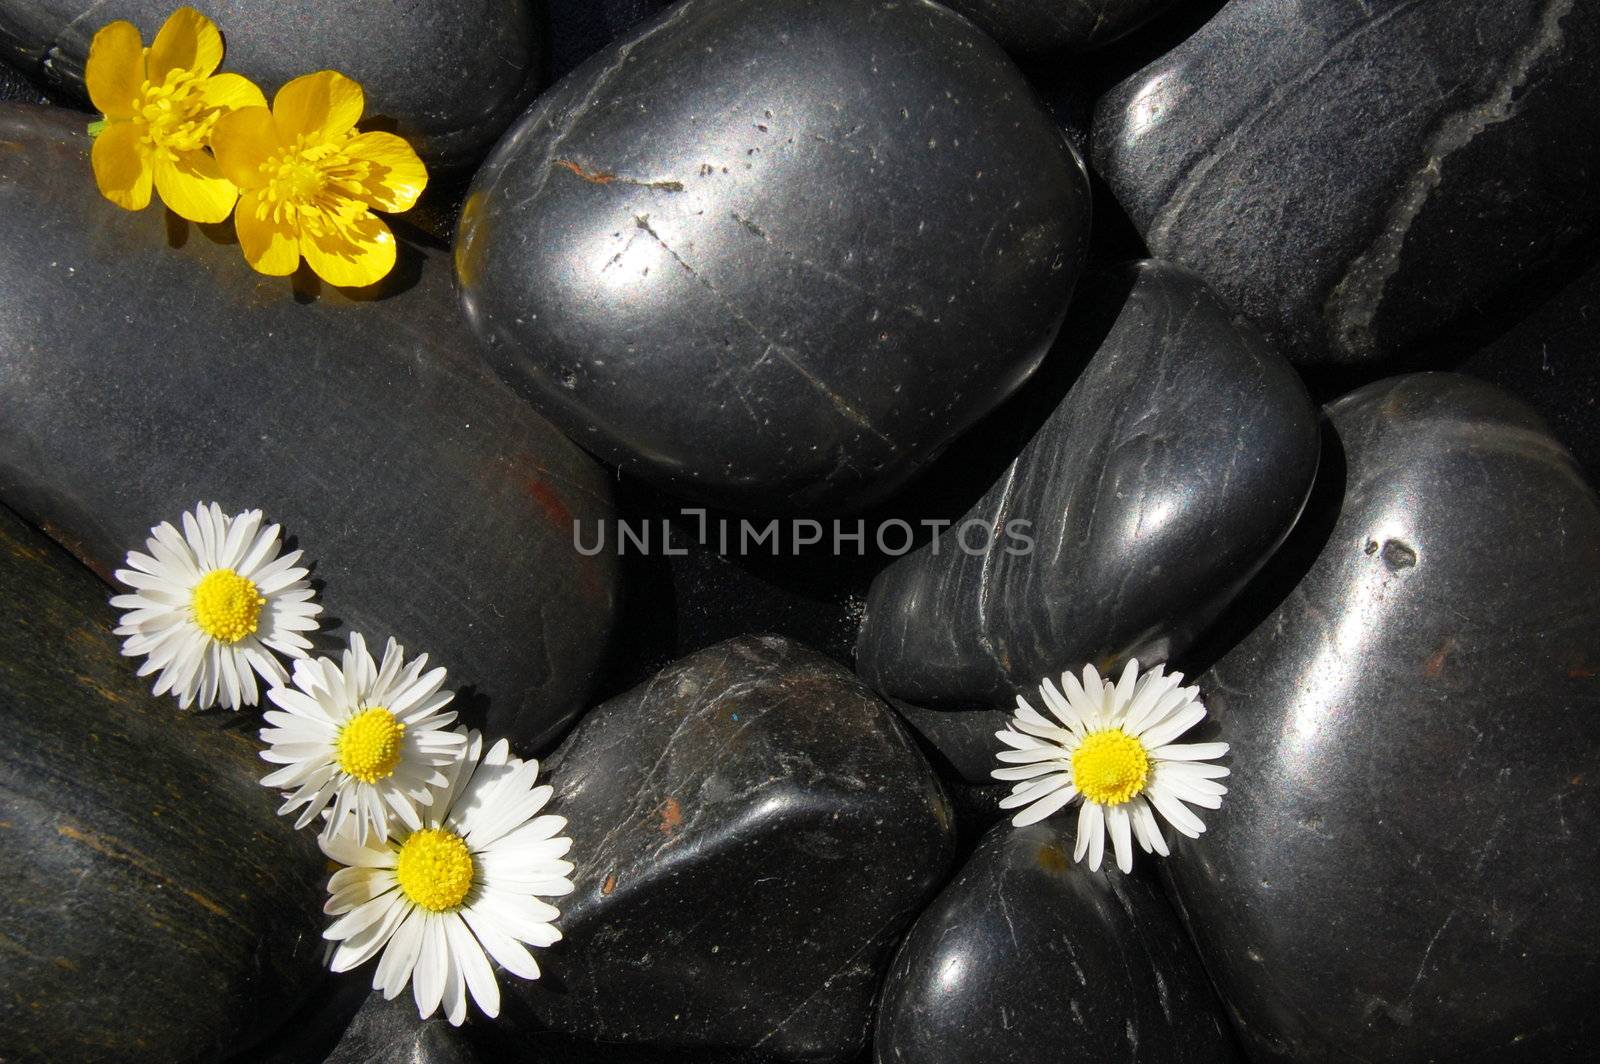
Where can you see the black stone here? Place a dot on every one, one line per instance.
(752, 829)
(1355, 176)
(1026, 958)
(384, 1032)
(1050, 25)
(1551, 360)
(140, 377)
(845, 233)
(448, 75)
(152, 906)
(1404, 868)
(961, 741)
(1166, 477)
(579, 28)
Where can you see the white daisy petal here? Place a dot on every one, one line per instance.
(1117, 754)
(460, 885)
(1044, 807)
(1121, 830)
(335, 725)
(197, 618)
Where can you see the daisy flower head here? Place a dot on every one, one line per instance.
(438, 902)
(309, 182)
(364, 737)
(159, 106)
(1112, 746)
(211, 604)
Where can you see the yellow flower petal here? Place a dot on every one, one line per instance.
(325, 103)
(231, 92)
(120, 168)
(115, 70)
(193, 186)
(397, 177)
(187, 41)
(357, 254)
(269, 246)
(243, 141)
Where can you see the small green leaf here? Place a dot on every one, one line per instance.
(97, 128)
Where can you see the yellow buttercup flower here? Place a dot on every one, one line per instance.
(160, 105)
(309, 182)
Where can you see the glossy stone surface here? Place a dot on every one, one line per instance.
(961, 741)
(386, 1032)
(1354, 176)
(754, 829)
(450, 75)
(1551, 360)
(1405, 865)
(140, 377)
(1026, 958)
(845, 234)
(1175, 464)
(152, 906)
(1050, 25)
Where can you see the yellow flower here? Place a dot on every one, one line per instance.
(160, 105)
(308, 181)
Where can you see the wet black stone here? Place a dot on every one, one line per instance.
(961, 740)
(384, 1032)
(450, 75)
(752, 829)
(579, 28)
(1551, 360)
(1048, 25)
(1356, 176)
(140, 377)
(1026, 958)
(846, 232)
(152, 906)
(1404, 868)
(1166, 477)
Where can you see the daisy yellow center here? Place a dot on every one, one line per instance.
(435, 869)
(173, 114)
(369, 745)
(227, 607)
(1110, 767)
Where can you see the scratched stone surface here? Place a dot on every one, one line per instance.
(450, 75)
(755, 831)
(145, 367)
(1026, 958)
(1033, 26)
(390, 1032)
(1175, 464)
(776, 255)
(1356, 175)
(1405, 865)
(154, 907)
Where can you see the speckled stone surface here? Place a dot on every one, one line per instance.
(753, 829)
(389, 1032)
(152, 906)
(1049, 25)
(1027, 958)
(1404, 868)
(845, 233)
(146, 367)
(1354, 176)
(1166, 476)
(450, 75)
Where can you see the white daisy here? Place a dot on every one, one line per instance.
(211, 604)
(1112, 745)
(367, 738)
(439, 902)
